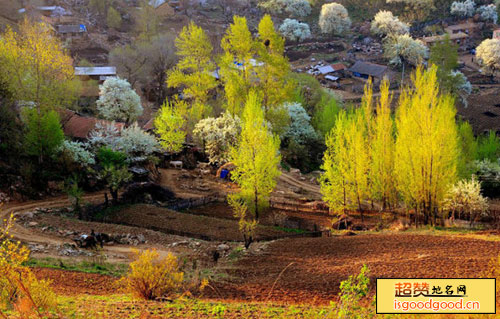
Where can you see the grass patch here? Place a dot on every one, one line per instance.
(93, 267)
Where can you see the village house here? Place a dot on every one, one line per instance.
(47, 11)
(365, 70)
(467, 28)
(71, 30)
(460, 39)
(79, 127)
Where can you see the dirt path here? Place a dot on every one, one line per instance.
(288, 179)
(115, 253)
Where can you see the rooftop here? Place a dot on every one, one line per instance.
(95, 70)
(371, 69)
(75, 28)
(77, 126)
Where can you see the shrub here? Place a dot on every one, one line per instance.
(151, 277)
(108, 157)
(352, 291)
(19, 288)
(294, 30)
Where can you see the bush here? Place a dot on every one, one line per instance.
(151, 277)
(352, 291)
(19, 288)
(108, 157)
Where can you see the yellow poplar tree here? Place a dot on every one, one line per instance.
(194, 71)
(426, 148)
(256, 157)
(382, 150)
(335, 161)
(237, 64)
(169, 126)
(346, 163)
(35, 66)
(276, 87)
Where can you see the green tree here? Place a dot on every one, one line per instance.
(427, 151)
(256, 157)
(468, 145)
(195, 69)
(324, 118)
(147, 23)
(488, 147)
(44, 134)
(113, 18)
(444, 55)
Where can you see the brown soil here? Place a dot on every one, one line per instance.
(76, 283)
(172, 222)
(316, 266)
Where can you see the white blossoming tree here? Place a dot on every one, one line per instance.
(294, 8)
(385, 23)
(294, 30)
(334, 19)
(218, 136)
(134, 141)
(463, 9)
(488, 56)
(402, 49)
(300, 129)
(78, 152)
(488, 13)
(465, 198)
(118, 101)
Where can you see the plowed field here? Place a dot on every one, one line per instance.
(318, 265)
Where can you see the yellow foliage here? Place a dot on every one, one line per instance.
(151, 277)
(35, 66)
(426, 150)
(19, 288)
